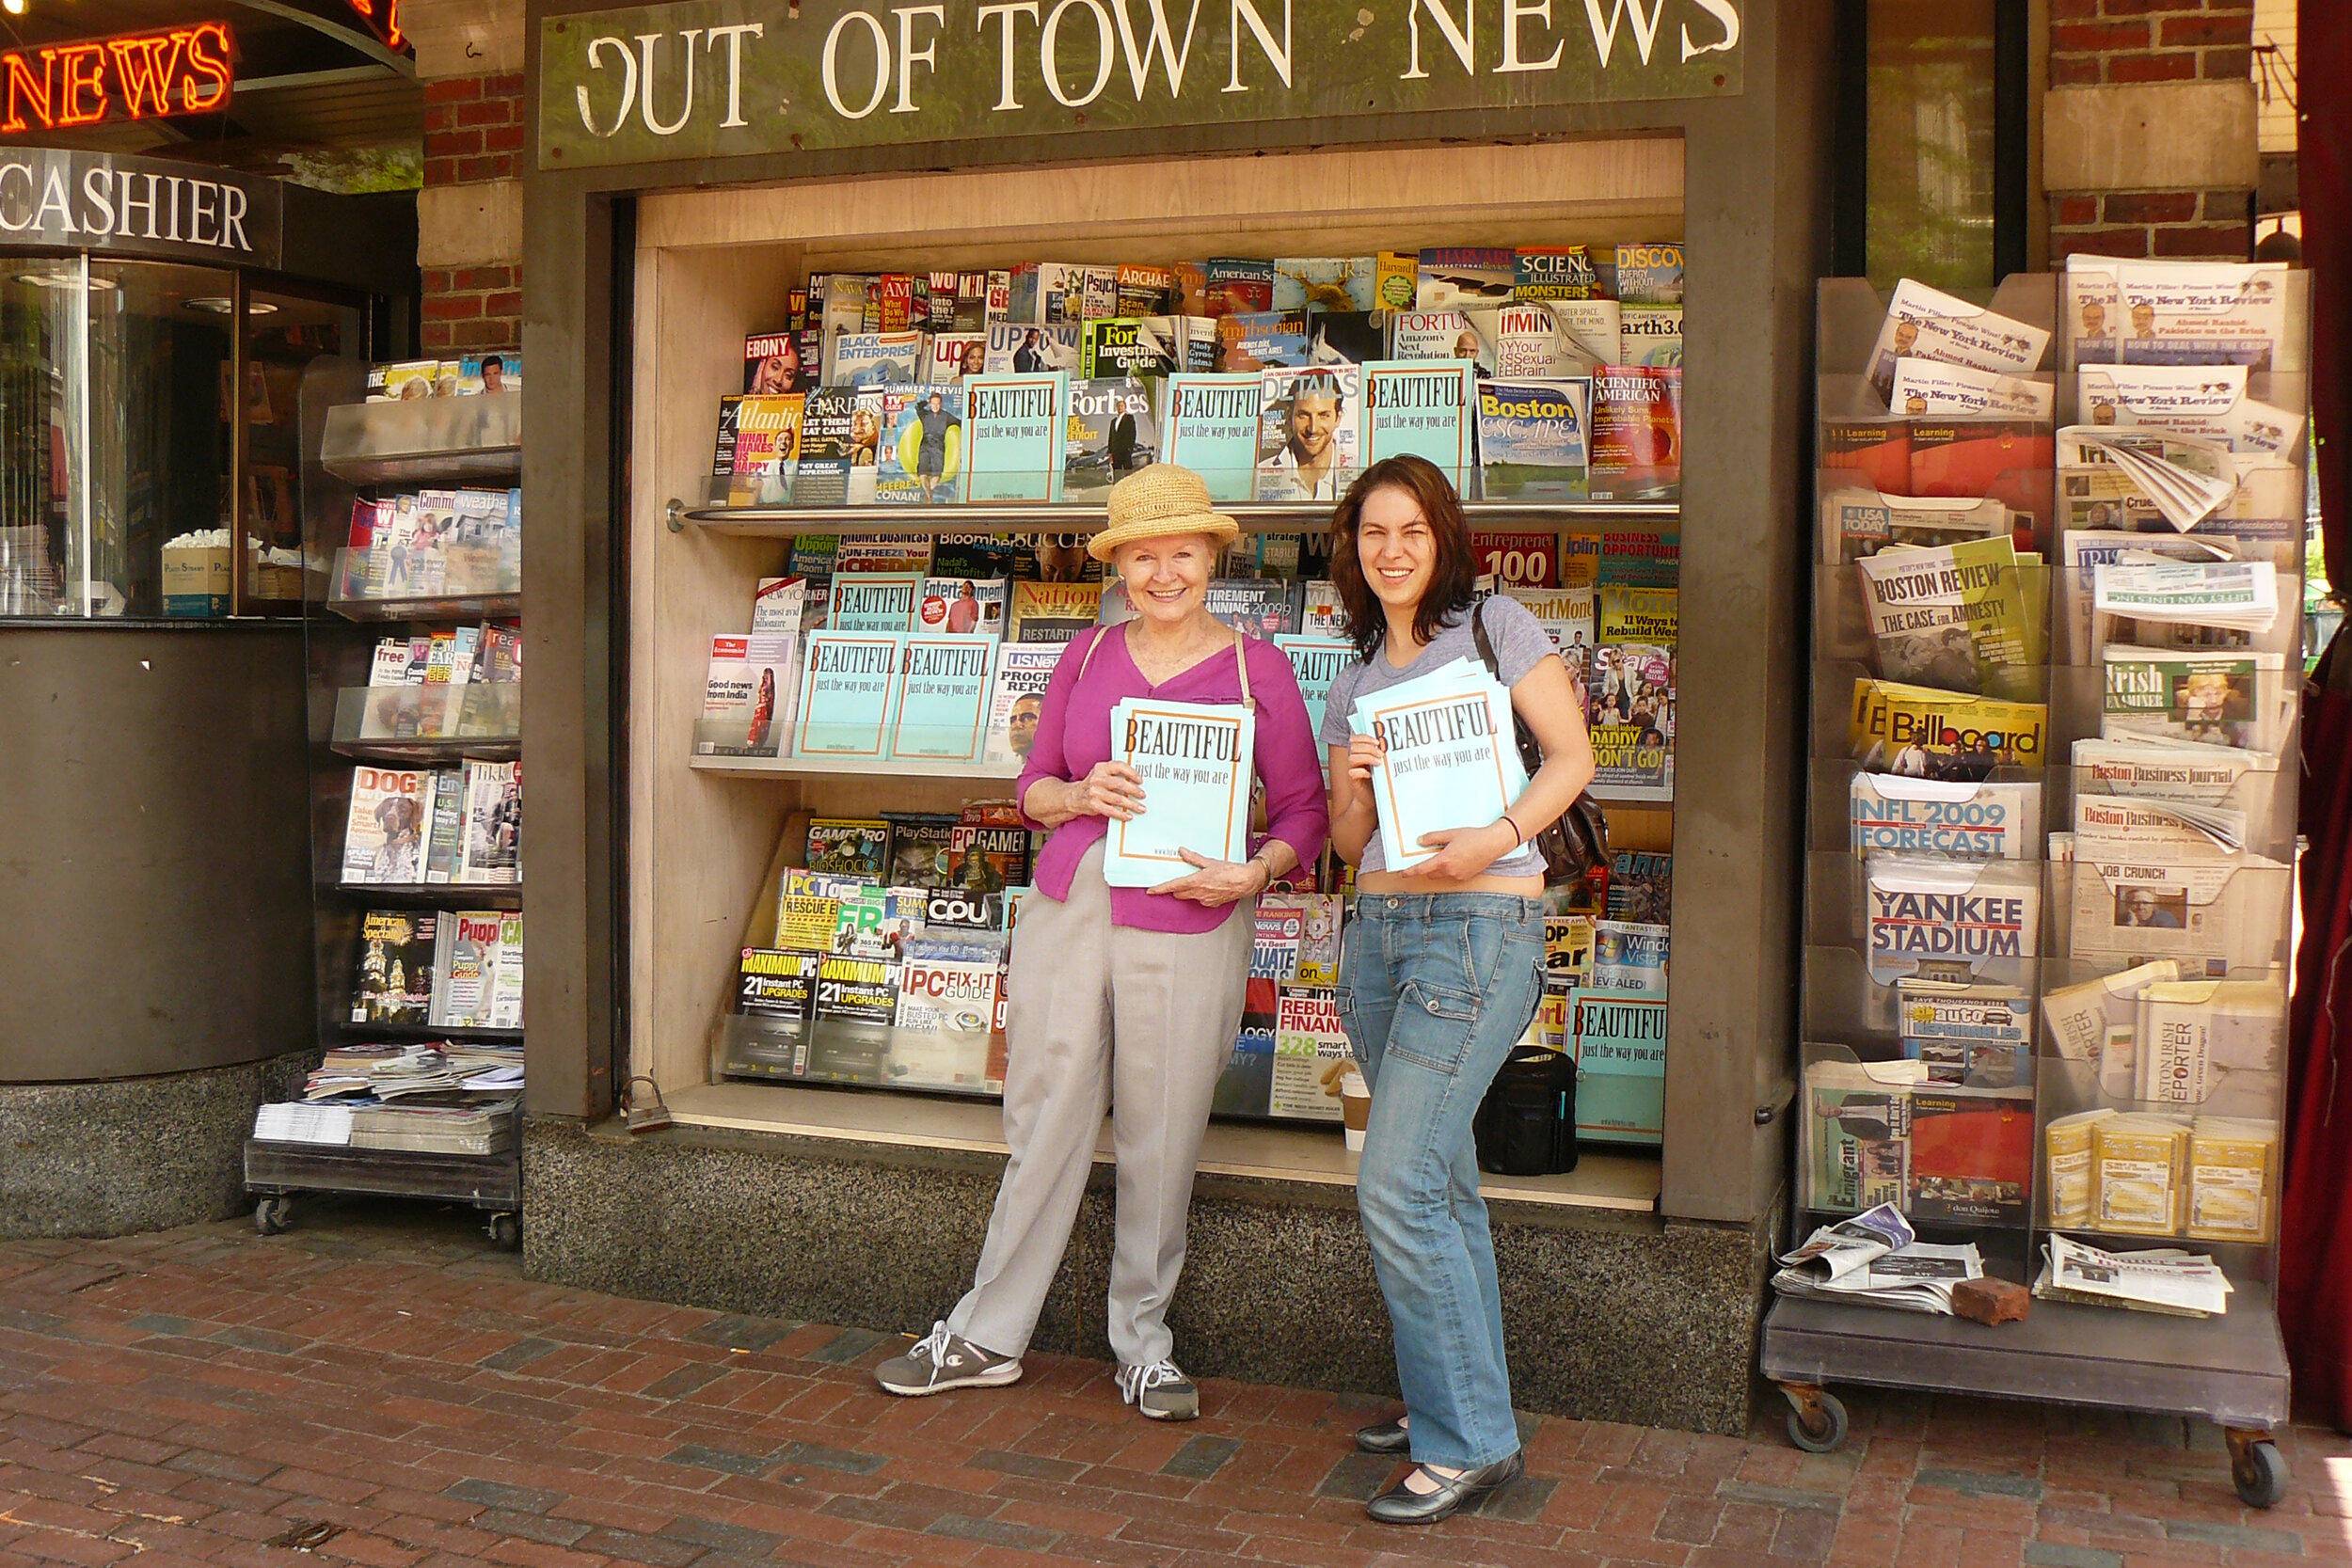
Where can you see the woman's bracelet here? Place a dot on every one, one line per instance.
(1518, 837)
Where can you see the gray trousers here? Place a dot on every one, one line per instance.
(1097, 1011)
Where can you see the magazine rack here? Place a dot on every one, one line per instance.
(393, 446)
(1972, 1160)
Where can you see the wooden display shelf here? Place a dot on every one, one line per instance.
(870, 767)
(783, 522)
(481, 895)
(1262, 1151)
(452, 606)
(925, 767)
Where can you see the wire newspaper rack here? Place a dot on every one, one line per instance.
(1963, 1139)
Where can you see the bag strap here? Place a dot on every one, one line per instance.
(1099, 633)
(1485, 647)
(1241, 663)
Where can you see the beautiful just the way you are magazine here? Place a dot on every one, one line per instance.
(1447, 766)
(1195, 761)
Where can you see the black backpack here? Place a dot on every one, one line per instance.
(1526, 1126)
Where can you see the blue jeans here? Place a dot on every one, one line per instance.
(1435, 988)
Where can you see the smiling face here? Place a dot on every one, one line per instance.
(776, 372)
(1396, 546)
(1314, 420)
(1167, 580)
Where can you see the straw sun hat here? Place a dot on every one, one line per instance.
(1157, 501)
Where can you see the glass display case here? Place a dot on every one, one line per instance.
(148, 415)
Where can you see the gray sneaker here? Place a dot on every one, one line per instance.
(942, 1361)
(1160, 1390)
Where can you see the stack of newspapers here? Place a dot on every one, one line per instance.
(2235, 595)
(1452, 759)
(2163, 1279)
(1875, 1259)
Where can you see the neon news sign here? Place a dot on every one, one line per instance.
(180, 71)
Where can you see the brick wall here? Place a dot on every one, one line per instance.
(474, 132)
(2123, 42)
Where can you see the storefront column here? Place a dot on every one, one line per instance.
(470, 214)
(2148, 138)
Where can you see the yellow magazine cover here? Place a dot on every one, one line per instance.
(2229, 1179)
(1918, 732)
(1629, 614)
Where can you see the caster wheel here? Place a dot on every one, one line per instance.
(506, 1233)
(1829, 1436)
(2261, 1475)
(272, 1216)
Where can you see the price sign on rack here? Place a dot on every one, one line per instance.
(1518, 559)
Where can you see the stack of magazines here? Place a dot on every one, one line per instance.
(483, 1128)
(1875, 1259)
(404, 1071)
(2162, 1280)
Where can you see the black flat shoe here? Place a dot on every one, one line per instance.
(1400, 1505)
(1388, 1437)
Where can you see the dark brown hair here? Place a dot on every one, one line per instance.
(1451, 581)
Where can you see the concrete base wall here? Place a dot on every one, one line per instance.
(132, 1153)
(1622, 1317)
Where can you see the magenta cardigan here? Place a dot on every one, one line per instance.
(1073, 733)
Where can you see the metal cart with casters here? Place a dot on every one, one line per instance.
(1990, 1074)
(2231, 1369)
(275, 1172)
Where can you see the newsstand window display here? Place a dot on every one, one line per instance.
(689, 245)
(900, 462)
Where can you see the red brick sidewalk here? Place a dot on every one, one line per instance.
(382, 1381)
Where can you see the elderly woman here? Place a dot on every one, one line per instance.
(1130, 992)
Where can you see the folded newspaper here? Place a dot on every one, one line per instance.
(1875, 1259)
(2185, 499)
(2162, 1280)
(2240, 595)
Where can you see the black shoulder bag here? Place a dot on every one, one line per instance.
(1578, 841)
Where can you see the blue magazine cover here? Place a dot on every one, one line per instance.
(1423, 407)
(1013, 430)
(1210, 425)
(942, 698)
(1533, 439)
(1196, 762)
(921, 461)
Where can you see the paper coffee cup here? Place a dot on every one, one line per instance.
(1354, 1106)
(1355, 1140)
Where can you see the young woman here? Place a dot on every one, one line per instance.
(1440, 970)
(1132, 994)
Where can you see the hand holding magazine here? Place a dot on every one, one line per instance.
(1195, 762)
(1450, 762)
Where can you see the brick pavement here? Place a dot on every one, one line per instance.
(379, 1385)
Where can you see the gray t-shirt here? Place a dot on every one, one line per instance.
(1520, 642)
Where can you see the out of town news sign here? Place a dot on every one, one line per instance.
(703, 78)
